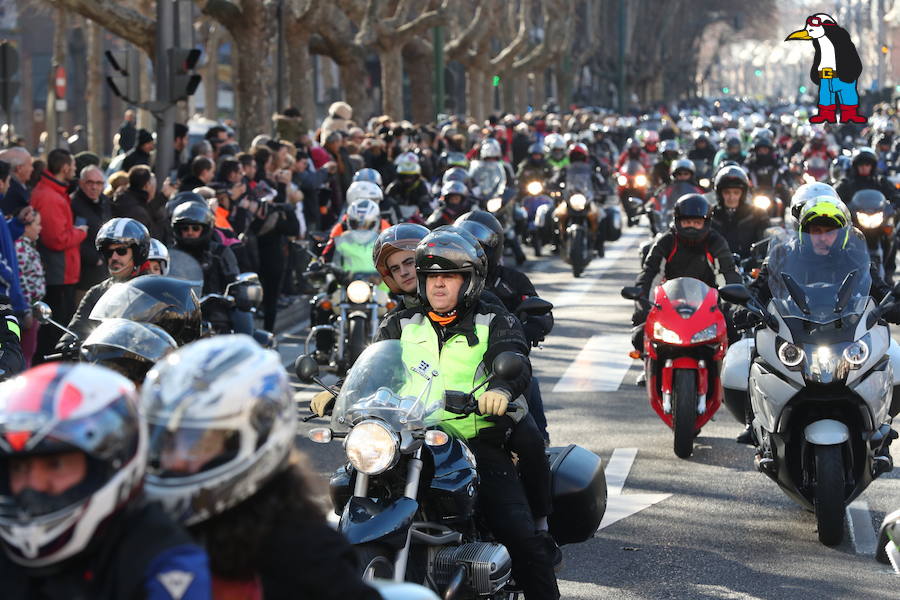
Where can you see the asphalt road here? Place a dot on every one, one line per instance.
(707, 527)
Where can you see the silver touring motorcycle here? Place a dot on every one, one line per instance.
(820, 376)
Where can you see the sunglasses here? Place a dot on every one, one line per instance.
(191, 227)
(108, 252)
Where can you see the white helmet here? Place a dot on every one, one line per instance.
(408, 164)
(364, 214)
(158, 251)
(554, 141)
(57, 408)
(227, 391)
(364, 190)
(490, 148)
(807, 192)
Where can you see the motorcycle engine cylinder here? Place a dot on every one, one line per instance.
(488, 565)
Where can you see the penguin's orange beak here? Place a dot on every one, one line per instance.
(800, 34)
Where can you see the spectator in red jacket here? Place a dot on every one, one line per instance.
(59, 243)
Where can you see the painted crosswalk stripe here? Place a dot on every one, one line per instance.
(599, 367)
(862, 532)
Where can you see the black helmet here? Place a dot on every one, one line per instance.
(447, 250)
(170, 303)
(193, 213)
(129, 232)
(861, 155)
(403, 236)
(731, 176)
(127, 347)
(763, 141)
(488, 231)
(681, 164)
(695, 206)
(732, 141)
(536, 148)
(181, 198)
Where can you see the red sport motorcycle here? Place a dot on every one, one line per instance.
(685, 340)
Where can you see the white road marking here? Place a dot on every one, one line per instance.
(617, 469)
(576, 290)
(618, 505)
(599, 367)
(859, 520)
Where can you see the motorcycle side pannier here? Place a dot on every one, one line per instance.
(579, 493)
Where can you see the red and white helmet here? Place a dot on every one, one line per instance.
(57, 408)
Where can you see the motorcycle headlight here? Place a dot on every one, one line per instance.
(762, 202)
(534, 188)
(665, 335)
(359, 292)
(372, 448)
(870, 221)
(577, 201)
(622, 179)
(640, 180)
(704, 183)
(790, 354)
(494, 204)
(706, 335)
(856, 353)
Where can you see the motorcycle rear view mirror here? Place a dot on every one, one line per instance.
(631, 293)
(736, 293)
(508, 365)
(42, 312)
(535, 306)
(306, 368)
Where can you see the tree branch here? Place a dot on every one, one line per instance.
(124, 22)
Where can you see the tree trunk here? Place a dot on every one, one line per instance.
(475, 82)
(251, 89)
(539, 88)
(354, 78)
(210, 72)
(59, 42)
(391, 59)
(95, 87)
(300, 79)
(418, 58)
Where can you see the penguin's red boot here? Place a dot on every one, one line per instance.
(826, 114)
(848, 115)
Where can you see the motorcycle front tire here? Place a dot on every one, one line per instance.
(356, 339)
(684, 408)
(829, 494)
(576, 247)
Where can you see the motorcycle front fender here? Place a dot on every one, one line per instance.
(367, 520)
(826, 432)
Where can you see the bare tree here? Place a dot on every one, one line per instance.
(250, 23)
(116, 17)
(95, 86)
(302, 19)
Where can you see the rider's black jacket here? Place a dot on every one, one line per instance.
(11, 359)
(114, 566)
(511, 287)
(740, 227)
(688, 260)
(80, 322)
(848, 186)
(219, 265)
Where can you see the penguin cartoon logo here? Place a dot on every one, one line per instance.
(836, 68)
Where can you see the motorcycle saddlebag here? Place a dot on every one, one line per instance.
(613, 221)
(579, 493)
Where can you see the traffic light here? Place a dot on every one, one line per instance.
(725, 90)
(124, 82)
(758, 72)
(802, 89)
(183, 82)
(496, 80)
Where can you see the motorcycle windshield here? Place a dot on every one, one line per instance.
(820, 278)
(185, 267)
(143, 339)
(685, 294)
(579, 180)
(124, 301)
(633, 167)
(488, 178)
(397, 382)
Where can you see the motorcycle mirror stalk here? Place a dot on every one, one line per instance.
(307, 370)
(507, 365)
(738, 293)
(43, 313)
(633, 292)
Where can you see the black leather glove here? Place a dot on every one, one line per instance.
(534, 331)
(743, 318)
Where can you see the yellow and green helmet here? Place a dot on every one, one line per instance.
(827, 211)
